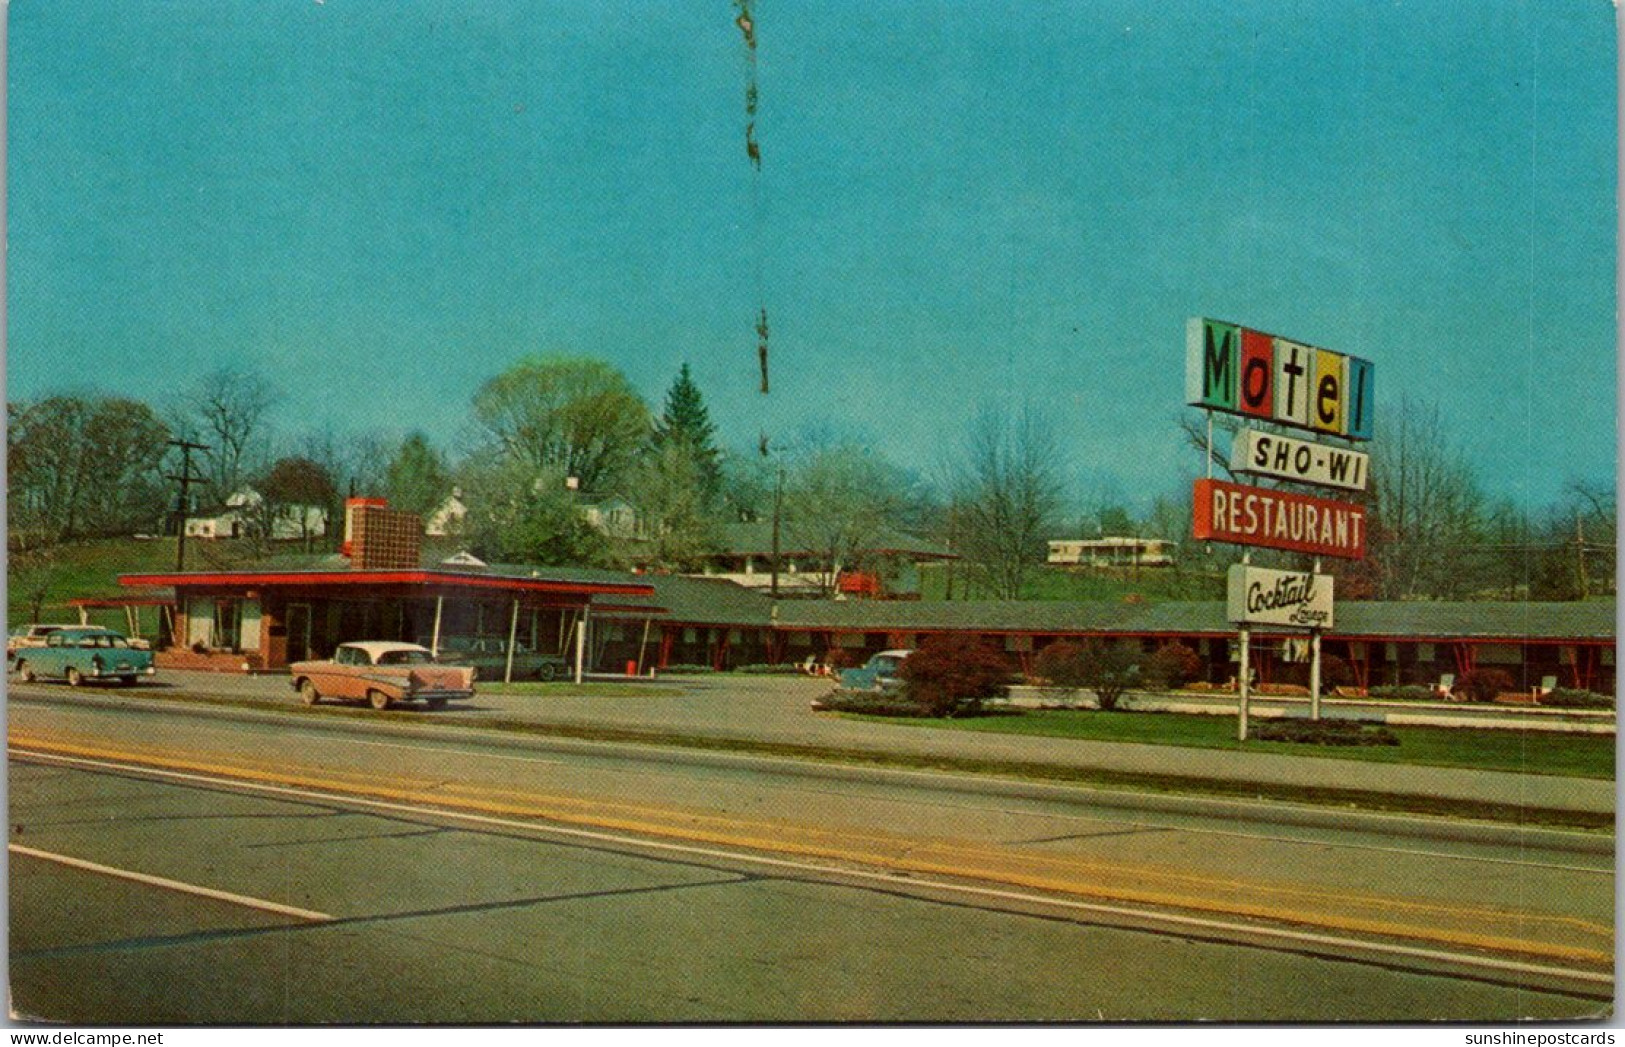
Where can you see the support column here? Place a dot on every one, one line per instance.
(581, 644)
(1242, 683)
(1314, 658)
(434, 642)
(513, 635)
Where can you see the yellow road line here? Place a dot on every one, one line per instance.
(934, 858)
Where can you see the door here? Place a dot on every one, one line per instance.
(298, 632)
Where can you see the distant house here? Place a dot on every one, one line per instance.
(242, 516)
(1112, 552)
(448, 518)
(612, 516)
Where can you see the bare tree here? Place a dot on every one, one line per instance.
(227, 409)
(1006, 496)
(1427, 512)
(838, 501)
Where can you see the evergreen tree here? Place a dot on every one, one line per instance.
(686, 421)
(417, 480)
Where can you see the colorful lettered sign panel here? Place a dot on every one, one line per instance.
(1227, 512)
(1239, 370)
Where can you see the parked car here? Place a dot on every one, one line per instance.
(381, 673)
(32, 635)
(84, 654)
(877, 674)
(489, 656)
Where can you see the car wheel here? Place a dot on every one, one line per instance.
(378, 700)
(308, 693)
(74, 679)
(547, 672)
(26, 671)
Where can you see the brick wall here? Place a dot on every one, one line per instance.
(384, 539)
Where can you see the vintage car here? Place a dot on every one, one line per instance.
(84, 654)
(31, 635)
(381, 673)
(489, 656)
(877, 674)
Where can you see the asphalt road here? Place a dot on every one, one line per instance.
(352, 875)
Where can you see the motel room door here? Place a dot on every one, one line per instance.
(298, 632)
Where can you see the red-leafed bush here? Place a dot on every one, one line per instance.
(1171, 665)
(1482, 685)
(949, 677)
(1107, 669)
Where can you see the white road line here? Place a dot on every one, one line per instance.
(172, 885)
(1286, 936)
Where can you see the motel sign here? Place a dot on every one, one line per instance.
(1245, 372)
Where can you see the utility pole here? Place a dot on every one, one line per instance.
(1580, 552)
(778, 508)
(186, 480)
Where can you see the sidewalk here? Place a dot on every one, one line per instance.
(777, 710)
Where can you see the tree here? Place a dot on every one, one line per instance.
(84, 466)
(1006, 495)
(294, 486)
(227, 409)
(1107, 669)
(671, 499)
(686, 421)
(578, 416)
(517, 512)
(417, 480)
(838, 500)
(951, 677)
(1426, 510)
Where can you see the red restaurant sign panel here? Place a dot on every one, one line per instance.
(1227, 512)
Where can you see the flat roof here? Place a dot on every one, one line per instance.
(374, 577)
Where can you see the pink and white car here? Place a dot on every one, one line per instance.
(381, 673)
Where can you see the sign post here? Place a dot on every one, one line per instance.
(1278, 382)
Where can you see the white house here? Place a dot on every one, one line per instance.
(448, 518)
(1113, 552)
(241, 516)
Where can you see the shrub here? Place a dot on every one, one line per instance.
(781, 668)
(1567, 698)
(1106, 669)
(685, 669)
(1334, 673)
(1171, 665)
(1482, 685)
(871, 703)
(950, 678)
(1404, 693)
(1324, 732)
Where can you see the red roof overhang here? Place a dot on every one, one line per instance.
(448, 579)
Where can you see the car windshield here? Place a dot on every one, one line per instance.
(405, 658)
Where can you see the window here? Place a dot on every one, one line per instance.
(228, 620)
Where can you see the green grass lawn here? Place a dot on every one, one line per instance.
(1536, 752)
(90, 569)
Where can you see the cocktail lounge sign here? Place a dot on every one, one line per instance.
(1260, 596)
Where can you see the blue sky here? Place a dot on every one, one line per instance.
(384, 204)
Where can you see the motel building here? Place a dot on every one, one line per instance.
(389, 588)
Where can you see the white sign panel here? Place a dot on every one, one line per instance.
(1286, 458)
(1260, 596)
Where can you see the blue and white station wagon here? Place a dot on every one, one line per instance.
(85, 655)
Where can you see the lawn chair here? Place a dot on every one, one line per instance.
(1446, 684)
(1548, 684)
